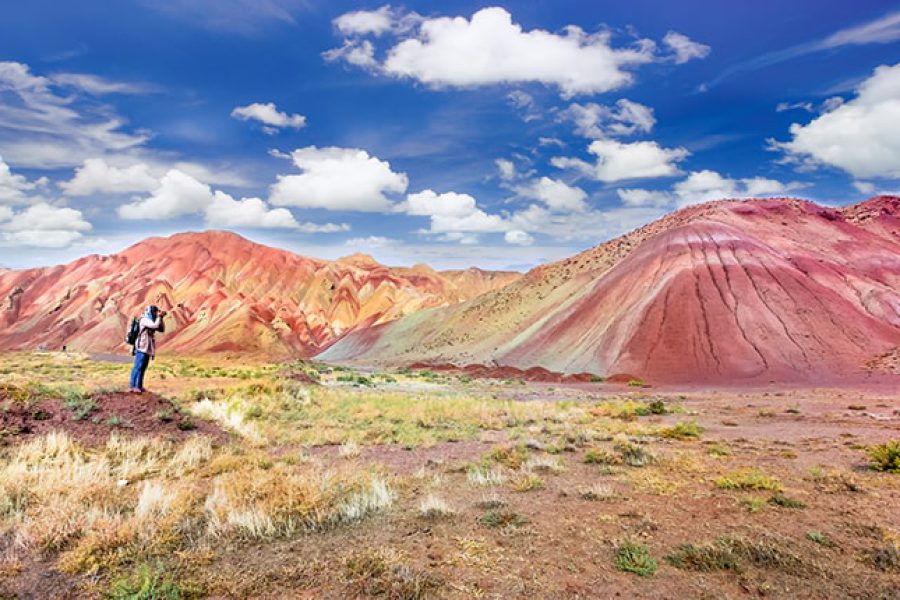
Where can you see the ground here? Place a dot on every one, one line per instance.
(238, 479)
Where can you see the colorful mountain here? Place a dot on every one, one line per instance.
(728, 291)
(224, 293)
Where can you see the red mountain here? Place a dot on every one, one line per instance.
(224, 293)
(728, 291)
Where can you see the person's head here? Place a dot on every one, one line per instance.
(152, 311)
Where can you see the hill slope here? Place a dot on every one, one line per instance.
(730, 290)
(224, 293)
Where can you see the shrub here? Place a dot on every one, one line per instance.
(633, 455)
(434, 507)
(783, 501)
(635, 558)
(885, 457)
(636, 383)
(748, 479)
(527, 483)
(595, 456)
(683, 431)
(145, 584)
(705, 558)
(502, 519)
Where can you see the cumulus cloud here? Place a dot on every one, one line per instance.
(524, 103)
(96, 176)
(860, 136)
(180, 194)
(641, 197)
(360, 53)
(362, 22)
(269, 115)
(489, 48)
(703, 186)
(618, 161)
(864, 187)
(451, 213)
(557, 195)
(42, 225)
(684, 48)
(338, 179)
(518, 237)
(598, 121)
(13, 187)
(507, 169)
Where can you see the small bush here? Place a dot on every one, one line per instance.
(502, 519)
(636, 383)
(748, 479)
(705, 558)
(634, 455)
(595, 456)
(433, 507)
(819, 538)
(186, 424)
(527, 483)
(753, 504)
(885, 457)
(598, 492)
(683, 431)
(635, 558)
(780, 499)
(145, 584)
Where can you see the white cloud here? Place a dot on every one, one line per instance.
(783, 106)
(861, 136)
(524, 103)
(551, 141)
(362, 22)
(706, 185)
(41, 129)
(864, 187)
(180, 194)
(372, 241)
(685, 48)
(42, 225)
(96, 176)
(269, 115)
(452, 213)
(356, 52)
(518, 238)
(338, 179)
(598, 121)
(641, 197)
(617, 161)
(490, 48)
(507, 169)
(13, 187)
(98, 86)
(225, 211)
(557, 195)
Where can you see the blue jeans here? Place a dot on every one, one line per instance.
(141, 361)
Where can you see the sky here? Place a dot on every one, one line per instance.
(451, 133)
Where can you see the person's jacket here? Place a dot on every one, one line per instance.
(146, 341)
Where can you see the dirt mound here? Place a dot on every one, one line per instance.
(92, 419)
(538, 374)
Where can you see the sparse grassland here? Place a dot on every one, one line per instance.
(310, 480)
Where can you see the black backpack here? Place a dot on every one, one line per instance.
(133, 332)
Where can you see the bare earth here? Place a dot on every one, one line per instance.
(839, 538)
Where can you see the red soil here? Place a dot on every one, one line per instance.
(130, 415)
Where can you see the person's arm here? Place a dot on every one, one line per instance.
(155, 325)
(162, 323)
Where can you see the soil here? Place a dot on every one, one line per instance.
(477, 371)
(133, 415)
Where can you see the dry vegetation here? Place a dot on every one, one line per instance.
(326, 482)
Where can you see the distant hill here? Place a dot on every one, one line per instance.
(728, 291)
(224, 293)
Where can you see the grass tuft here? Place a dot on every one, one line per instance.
(635, 558)
(885, 457)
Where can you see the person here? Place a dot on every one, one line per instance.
(145, 347)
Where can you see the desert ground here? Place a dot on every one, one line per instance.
(236, 479)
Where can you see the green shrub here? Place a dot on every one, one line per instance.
(748, 479)
(708, 557)
(502, 519)
(635, 558)
(885, 457)
(145, 584)
(683, 431)
(636, 383)
(782, 500)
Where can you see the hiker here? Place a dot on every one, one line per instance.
(145, 346)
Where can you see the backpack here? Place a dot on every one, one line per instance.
(133, 332)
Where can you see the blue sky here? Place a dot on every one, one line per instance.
(497, 135)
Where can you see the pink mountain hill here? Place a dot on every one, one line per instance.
(224, 293)
(728, 291)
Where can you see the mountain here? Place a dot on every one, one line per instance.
(754, 290)
(224, 293)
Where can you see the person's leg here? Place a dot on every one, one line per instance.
(144, 364)
(136, 370)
